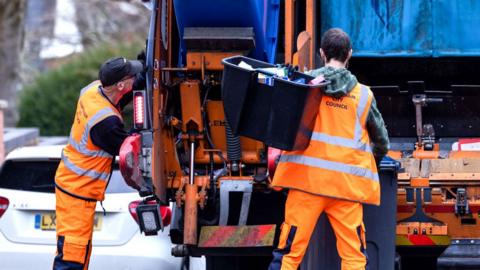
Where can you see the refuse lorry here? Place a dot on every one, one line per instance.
(211, 150)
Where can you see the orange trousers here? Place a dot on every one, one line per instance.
(302, 211)
(75, 221)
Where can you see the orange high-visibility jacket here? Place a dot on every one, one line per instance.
(338, 162)
(85, 168)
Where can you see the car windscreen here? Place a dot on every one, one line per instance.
(39, 176)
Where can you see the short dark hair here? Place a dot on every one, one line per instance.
(336, 44)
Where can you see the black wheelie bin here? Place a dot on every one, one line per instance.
(277, 111)
(380, 224)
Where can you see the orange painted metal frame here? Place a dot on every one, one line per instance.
(311, 28)
(419, 182)
(207, 60)
(289, 30)
(159, 161)
(190, 103)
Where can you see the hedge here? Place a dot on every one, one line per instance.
(50, 101)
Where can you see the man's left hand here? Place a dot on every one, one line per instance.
(142, 57)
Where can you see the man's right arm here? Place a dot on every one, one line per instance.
(377, 132)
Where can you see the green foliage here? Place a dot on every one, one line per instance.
(50, 101)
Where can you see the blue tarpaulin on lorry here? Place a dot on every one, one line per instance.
(415, 28)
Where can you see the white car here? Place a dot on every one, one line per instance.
(27, 205)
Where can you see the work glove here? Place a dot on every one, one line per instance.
(290, 70)
(140, 81)
(378, 160)
(132, 131)
(125, 100)
(142, 57)
(140, 78)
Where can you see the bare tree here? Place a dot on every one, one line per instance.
(11, 44)
(39, 25)
(110, 20)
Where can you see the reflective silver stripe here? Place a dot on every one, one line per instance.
(339, 141)
(88, 87)
(93, 120)
(362, 103)
(84, 89)
(81, 172)
(330, 165)
(87, 152)
(356, 142)
(82, 145)
(357, 133)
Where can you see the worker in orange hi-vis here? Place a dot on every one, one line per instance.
(86, 166)
(337, 172)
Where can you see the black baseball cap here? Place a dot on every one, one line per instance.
(115, 69)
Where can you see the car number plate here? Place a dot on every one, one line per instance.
(48, 222)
